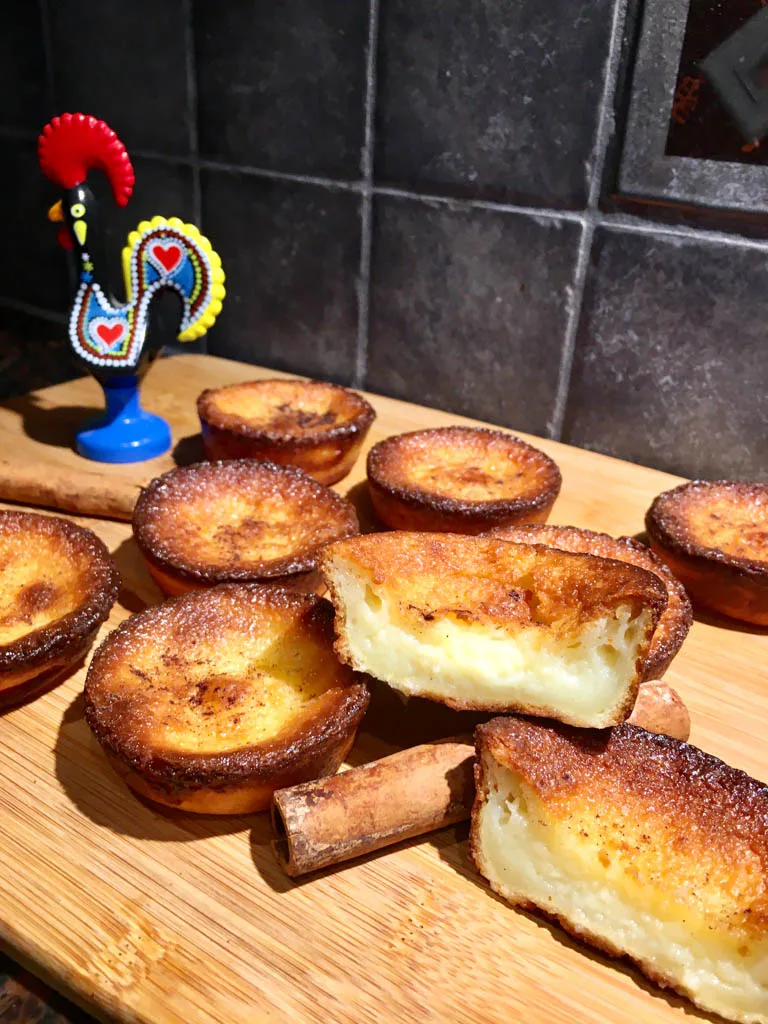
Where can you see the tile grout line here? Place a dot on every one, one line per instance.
(192, 119)
(366, 201)
(620, 220)
(366, 157)
(47, 40)
(575, 296)
(625, 222)
(605, 123)
(262, 172)
(599, 157)
(192, 123)
(363, 289)
(546, 212)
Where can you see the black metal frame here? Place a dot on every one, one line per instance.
(646, 171)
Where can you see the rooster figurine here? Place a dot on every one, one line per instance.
(116, 340)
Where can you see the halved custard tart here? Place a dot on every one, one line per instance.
(57, 585)
(676, 619)
(480, 624)
(460, 480)
(316, 426)
(713, 535)
(237, 521)
(213, 700)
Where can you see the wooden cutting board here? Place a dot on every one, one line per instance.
(142, 915)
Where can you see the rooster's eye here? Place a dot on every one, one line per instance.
(77, 211)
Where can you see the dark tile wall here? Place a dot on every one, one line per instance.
(468, 308)
(292, 254)
(407, 196)
(670, 363)
(289, 94)
(489, 99)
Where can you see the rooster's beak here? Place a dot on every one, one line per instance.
(56, 216)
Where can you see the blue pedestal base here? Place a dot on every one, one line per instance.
(125, 432)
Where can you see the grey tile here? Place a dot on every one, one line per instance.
(468, 309)
(22, 66)
(671, 365)
(33, 268)
(281, 86)
(125, 63)
(291, 255)
(491, 99)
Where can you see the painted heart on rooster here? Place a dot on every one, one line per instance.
(166, 256)
(107, 332)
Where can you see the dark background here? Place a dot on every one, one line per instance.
(415, 198)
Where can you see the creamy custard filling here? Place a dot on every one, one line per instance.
(585, 675)
(527, 858)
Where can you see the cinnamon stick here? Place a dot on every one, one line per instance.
(81, 492)
(416, 791)
(404, 795)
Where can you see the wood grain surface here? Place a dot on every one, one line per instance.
(141, 915)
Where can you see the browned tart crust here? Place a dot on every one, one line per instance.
(58, 585)
(460, 480)
(211, 701)
(237, 521)
(316, 426)
(676, 620)
(713, 535)
(626, 827)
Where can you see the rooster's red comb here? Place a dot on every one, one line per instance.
(72, 144)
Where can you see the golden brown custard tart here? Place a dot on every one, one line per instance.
(57, 585)
(676, 619)
(213, 700)
(237, 521)
(640, 845)
(480, 624)
(460, 480)
(713, 535)
(316, 426)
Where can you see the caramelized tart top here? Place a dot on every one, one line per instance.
(461, 468)
(720, 520)
(231, 670)
(670, 816)
(487, 581)
(239, 519)
(297, 412)
(58, 584)
(675, 621)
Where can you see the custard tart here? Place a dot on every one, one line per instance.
(480, 624)
(639, 845)
(460, 480)
(316, 426)
(237, 521)
(211, 701)
(57, 585)
(713, 535)
(677, 617)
